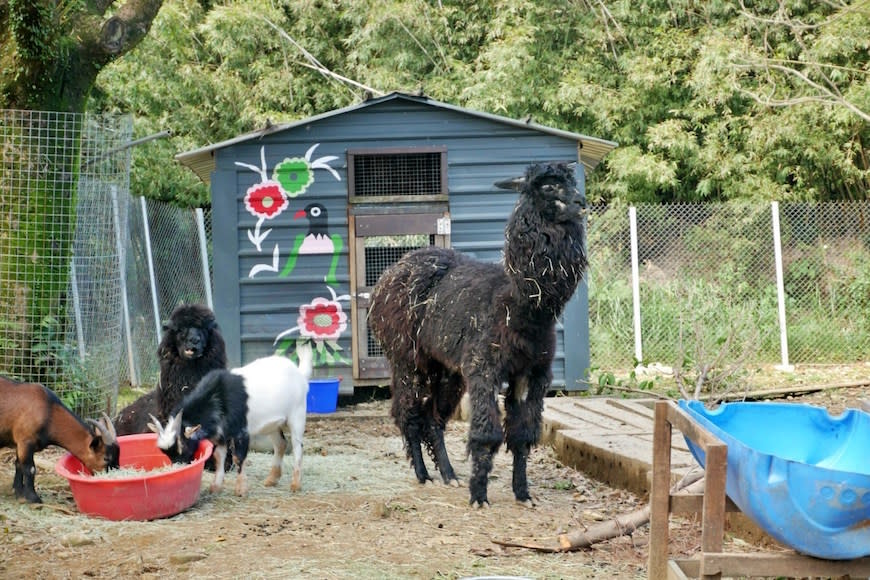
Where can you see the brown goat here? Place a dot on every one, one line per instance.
(32, 418)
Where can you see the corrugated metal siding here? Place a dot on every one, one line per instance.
(479, 152)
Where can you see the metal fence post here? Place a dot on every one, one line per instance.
(77, 307)
(635, 284)
(780, 288)
(152, 279)
(203, 252)
(122, 264)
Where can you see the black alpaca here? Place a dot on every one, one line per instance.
(191, 346)
(448, 323)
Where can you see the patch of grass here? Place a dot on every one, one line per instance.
(127, 394)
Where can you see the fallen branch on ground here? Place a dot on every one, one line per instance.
(622, 525)
(57, 508)
(796, 390)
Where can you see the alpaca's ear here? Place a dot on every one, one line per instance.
(515, 183)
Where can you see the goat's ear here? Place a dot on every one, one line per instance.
(94, 428)
(515, 183)
(189, 432)
(96, 432)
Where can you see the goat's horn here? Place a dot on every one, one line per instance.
(106, 432)
(155, 424)
(109, 435)
(99, 429)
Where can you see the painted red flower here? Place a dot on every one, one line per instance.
(265, 199)
(322, 319)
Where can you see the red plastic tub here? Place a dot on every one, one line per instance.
(145, 497)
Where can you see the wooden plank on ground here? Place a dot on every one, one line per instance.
(781, 564)
(610, 439)
(643, 407)
(620, 460)
(596, 415)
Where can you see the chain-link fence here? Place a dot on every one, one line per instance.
(87, 272)
(167, 265)
(705, 277)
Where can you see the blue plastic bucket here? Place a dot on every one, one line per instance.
(322, 395)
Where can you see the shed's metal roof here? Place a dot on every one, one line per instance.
(202, 162)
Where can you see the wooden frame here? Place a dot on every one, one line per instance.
(431, 221)
(712, 562)
(352, 196)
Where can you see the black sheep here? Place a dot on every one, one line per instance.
(449, 323)
(191, 346)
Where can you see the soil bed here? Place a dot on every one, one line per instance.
(360, 514)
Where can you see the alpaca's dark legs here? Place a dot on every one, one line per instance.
(438, 450)
(415, 429)
(482, 452)
(408, 413)
(438, 410)
(484, 437)
(524, 404)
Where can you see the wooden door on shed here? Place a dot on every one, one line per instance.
(379, 241)
(397, 203)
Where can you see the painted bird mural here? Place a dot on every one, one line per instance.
(317, 240)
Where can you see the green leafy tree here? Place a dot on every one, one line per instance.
(682, 86)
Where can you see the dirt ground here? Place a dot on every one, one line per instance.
(360, 514)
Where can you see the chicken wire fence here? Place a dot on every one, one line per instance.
(73, 263)
(777, 283)
(64, 191)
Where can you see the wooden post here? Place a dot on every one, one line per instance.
(713, 507)
(660, 494)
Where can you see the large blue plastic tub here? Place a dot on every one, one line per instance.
(799, 473)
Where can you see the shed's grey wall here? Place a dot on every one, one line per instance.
(479, 153)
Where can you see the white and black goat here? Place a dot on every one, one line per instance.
(277, 390)
(216, 409)
(32, 418)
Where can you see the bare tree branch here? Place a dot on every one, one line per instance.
(824, 95)
(810, 74)
(317, 65)
(622, 525)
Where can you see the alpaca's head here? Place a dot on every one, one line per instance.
(544, 254)
(191, 333)
(551, 189)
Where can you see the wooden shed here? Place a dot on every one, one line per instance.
(306, 215)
